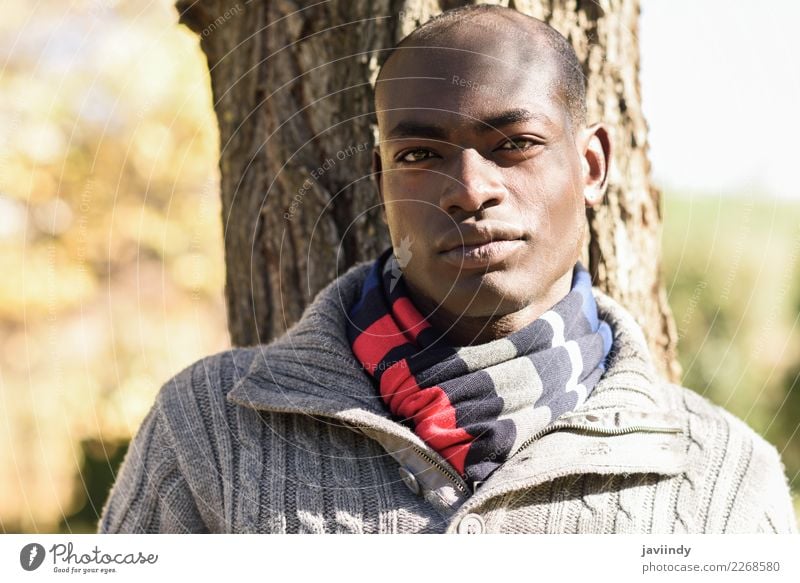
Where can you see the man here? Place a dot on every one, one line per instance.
(469, 380)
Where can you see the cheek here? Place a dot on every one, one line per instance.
(400, 215)
(407, 221)
(397, 203)
(555, 210)
(404, 200)
(568, 213)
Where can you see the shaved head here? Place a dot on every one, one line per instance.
(507, 36)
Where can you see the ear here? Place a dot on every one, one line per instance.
(595, 161)
(377, 177)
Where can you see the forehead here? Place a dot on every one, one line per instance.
(454, 85)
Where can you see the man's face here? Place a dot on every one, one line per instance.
(482, 180)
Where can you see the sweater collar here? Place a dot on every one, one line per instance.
(311, 369)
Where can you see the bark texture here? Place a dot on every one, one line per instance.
(292, 90)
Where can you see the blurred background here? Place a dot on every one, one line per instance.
(111, 264)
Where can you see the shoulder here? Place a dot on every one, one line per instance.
(708, 423)
(198, 391)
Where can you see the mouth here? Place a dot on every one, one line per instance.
(481, 246)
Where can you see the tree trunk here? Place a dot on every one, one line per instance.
(292, 91)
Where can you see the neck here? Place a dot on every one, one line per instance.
(467, 330)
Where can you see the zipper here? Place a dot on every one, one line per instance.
(462, 487)
(443, 468)
(595, 429)
(456, 480)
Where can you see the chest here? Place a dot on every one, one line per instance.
(298, 476)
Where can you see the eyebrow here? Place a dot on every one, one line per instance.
(416, 129)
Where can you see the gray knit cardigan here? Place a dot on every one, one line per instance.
(292, 437)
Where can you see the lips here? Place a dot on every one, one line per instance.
(481, 245)
(478, 234)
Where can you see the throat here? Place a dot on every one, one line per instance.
(459, 329)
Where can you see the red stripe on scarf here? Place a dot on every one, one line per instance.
(408, 317)
(433, 414)
(376, 341)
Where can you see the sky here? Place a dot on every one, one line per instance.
(721, 92)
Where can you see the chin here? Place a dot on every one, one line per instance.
(490, 298)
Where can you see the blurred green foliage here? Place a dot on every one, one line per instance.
(101, 462)
(732, 267)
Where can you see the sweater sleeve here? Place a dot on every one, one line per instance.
(762, 499)
(150, 493)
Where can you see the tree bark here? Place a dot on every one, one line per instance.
(292, 91)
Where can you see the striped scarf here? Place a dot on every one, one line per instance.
(477, 405)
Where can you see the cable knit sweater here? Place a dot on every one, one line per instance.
(292, 437)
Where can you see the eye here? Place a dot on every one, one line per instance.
(417, 155)
(518, 144)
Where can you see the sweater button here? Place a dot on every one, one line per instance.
(410, 480)
(471, 524)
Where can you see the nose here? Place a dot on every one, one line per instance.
(474, 184)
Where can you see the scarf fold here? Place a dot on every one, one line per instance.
(476, 405)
